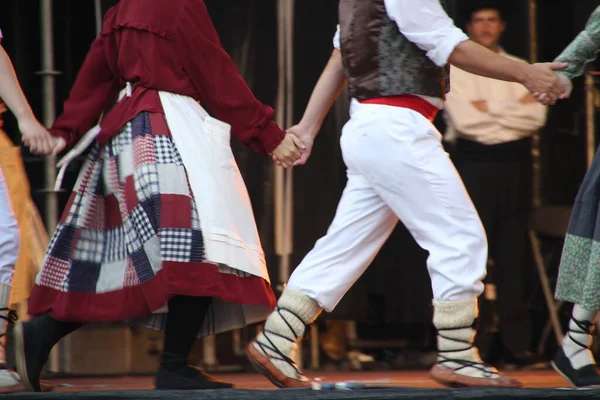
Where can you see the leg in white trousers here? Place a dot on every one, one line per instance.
(9, 236)
(9, 252)
(397, 168)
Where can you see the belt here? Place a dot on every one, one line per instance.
(409, 101)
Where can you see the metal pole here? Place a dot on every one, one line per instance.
(285, 118)
(98, 13)
(289, 121)
(535, 139)
(279, 172)
(48, 84)
(548, 295)
(48, 74)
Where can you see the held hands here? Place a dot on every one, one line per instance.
(38, 139)
(307, 136)
(544, 83)
(568, 86)
(288, 151)
(303, 138)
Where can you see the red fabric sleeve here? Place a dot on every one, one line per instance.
(95, 88)
(220, 84)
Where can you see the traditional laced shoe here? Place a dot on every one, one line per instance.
(272, 352)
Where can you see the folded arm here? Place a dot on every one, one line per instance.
(518, 115)
(472, 112)
(463, 114)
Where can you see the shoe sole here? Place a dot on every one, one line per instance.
(452, 379)
(18, 335)
(558, 371)
(259, 368)
(18, 388)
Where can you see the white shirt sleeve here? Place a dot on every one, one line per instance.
(336, 39)
(427, 25)
(1, 35)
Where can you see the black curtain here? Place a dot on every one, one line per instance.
(563, 139)
(396, 288)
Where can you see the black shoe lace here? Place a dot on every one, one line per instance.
(274, 349)
(586, 328)
(11, 317)
(487, 371)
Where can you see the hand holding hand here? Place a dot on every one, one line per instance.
(307, 136)
(288, 151)
(59, 145)
(568, 85)
(544, 83)
(38, 139)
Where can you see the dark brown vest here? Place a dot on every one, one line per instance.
(379, 60)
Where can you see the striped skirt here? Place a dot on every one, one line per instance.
(130, 239)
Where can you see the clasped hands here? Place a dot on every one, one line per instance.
(295, 148)
(547, 84)
(37, 138)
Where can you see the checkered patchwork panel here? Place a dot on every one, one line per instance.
(130, 209)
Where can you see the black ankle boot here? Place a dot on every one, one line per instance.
(184, 320)
(33, 342)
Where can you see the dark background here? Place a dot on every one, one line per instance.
(396, 288)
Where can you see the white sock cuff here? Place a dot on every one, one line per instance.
(454, 314)
(5, 292)
(300, 304)
(581, 314)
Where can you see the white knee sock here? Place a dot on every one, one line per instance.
(285, 328)
(454, 320)
(7, 378)
(5, 315)
(578, 339)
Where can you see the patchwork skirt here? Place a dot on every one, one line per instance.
(130, 238)
(579, 273)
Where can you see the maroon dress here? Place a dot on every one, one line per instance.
(130, 238)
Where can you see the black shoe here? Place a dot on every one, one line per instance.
(30, 354)
(583, 377)
(525, 360)
(187, 378)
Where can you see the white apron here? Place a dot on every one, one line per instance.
(226, 217)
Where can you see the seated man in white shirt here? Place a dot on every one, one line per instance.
(492, 122)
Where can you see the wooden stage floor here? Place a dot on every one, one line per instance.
(419, 379)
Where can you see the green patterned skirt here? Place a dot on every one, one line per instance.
(579, 273)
